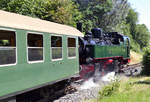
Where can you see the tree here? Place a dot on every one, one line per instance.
(132, 20)
(106, 14)
(139, 32)
(93, 12)
(116, 16)
(142, 35)
(63, 11)
(60, 11)
(146, 61)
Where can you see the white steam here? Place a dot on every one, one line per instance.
(88, 84)
(109, 77)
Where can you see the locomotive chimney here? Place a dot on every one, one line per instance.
(79, 26)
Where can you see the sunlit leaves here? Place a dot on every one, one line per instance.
(60, 11)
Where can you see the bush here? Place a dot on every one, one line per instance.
(146, 61)
(109, 90)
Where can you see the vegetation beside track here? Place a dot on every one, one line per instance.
(127, 90)
(135, 57)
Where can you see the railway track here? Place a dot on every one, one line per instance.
(133, 70)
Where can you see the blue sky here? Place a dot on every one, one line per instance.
(143, 8)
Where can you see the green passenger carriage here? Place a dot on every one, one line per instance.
(35, 53)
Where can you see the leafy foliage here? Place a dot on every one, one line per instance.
(94, 12)
(109, 90)
(116, 16)
(60, 11)
(146, 60)
(139, 34)
(106, 14)
(132, 20)
(142, 35)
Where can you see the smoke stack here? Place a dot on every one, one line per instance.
(79, 26)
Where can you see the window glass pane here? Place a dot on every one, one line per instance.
(35, 54)
(56, 46)
(7, 38)
(56, 41)
(71, 42)
(7, 47)
(71, 47)
(35, 40)
(35, 47)
(56, 53)
(72, 52)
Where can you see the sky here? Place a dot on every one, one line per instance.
(143, 9)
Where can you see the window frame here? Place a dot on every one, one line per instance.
(72, 47)
(11, 30)
(59, 59)
(27, 47)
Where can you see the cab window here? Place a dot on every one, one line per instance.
(7, 47)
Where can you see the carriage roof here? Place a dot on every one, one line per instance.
(13, 20)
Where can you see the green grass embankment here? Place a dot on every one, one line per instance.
(127, 90)
(130, 90)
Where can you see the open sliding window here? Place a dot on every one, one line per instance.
(56, 47)
(35, 47)
(7, 47)
(71, 47)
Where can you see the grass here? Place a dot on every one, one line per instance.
(130, 90)
(140, 96)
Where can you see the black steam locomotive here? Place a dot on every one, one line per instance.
(102, 52)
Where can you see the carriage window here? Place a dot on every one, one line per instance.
(35, 47)
(7, 47)
(71, 47)
(56, 47)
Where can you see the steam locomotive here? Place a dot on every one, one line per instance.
(101, 52)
